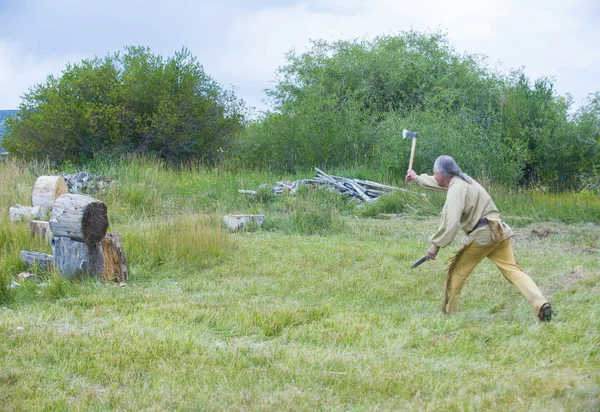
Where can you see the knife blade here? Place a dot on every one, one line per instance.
(419, 262)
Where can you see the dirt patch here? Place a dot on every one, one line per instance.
(567, 281)
(543, 233)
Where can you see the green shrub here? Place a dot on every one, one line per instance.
(133, 101)
(404, 202)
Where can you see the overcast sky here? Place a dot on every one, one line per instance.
(241, 43)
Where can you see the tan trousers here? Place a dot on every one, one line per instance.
(503, 256)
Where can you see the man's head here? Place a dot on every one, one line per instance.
(445, 168)
(440, 178)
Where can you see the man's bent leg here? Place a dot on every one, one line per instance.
(460, 267)
(504, 257)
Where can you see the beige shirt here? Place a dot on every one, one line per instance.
(466, 203)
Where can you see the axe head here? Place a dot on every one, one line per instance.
(409, 135)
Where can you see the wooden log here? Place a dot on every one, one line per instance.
(330, 179)
(72, 257)
(46, 190)
(79, 217)
(19, 213)
(39, 228)
(357, 188)
(114, 260)
(43, 260)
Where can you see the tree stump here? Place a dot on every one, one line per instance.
(105, 260)
(46, 190)
(43, 260)
(79, 217)
(72, 257)
(39, 228)
(115, 263)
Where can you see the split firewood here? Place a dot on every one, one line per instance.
(39, 228)
(114, 261)
(43, 260)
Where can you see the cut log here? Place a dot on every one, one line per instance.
(79, 217)
(43, 260)
(114, 261)
(46, 190)
(72, 257)
(39, 228)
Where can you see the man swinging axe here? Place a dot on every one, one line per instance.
(469, 207)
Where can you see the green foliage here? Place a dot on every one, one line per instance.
(58, 287)
(345, 103)
(588, 140)
(542, 206)
(6, 292)
(401, 202)
(308, 221)
(132, 102)
(535, 124)
(311, 211)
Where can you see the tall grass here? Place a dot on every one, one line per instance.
(182, 240)
(280, 319)
(16, 183)
(557, 207)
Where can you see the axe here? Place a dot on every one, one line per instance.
(413, 136)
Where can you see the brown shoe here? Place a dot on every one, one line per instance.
(545, 314)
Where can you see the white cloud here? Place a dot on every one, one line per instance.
(547, 38)
(20, 70)
(242, 43)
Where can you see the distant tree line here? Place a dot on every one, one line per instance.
(345, 103)
(341, 104)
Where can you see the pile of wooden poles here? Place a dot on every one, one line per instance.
(361, 190)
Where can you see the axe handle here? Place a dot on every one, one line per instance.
(412, 153)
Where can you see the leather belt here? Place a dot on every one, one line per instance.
(482, 222)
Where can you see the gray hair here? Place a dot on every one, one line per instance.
(448, 167)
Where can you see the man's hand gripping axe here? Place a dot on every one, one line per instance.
(413, 136)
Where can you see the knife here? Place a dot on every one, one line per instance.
(419, 262)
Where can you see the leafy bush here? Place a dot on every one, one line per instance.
(132, 102)
(345, 103)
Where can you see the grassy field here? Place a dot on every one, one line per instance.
(317, 310)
